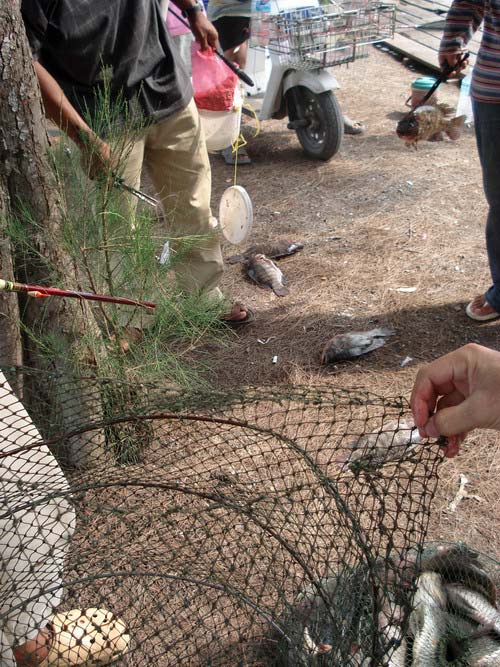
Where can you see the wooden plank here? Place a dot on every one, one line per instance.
(408, 47)
(419, 29)
(434, 6)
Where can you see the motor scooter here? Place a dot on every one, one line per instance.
(307, 97)
(292, 47)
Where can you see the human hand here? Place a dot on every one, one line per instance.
(447, 60)
(96, 157)
(204, 32)
(457, 393)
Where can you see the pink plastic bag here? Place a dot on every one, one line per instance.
(213, 82)
(175, 27)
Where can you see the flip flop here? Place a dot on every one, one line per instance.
(86, 638)
(353, 126)
(235, 324)
(230, 156)
(480, 318)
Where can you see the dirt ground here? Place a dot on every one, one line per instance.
(376, 218)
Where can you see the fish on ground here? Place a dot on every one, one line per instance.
(390, 443)
(427, 121)
(354, 344)
(474, 605)
(265, 273)
(272, 250)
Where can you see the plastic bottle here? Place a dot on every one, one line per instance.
(464, 106)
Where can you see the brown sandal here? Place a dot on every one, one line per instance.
(234, 324)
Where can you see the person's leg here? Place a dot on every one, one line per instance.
(353, 126)
(487, 127)
(131, 169)
(178, 164)
(238, 54)
(33, 652)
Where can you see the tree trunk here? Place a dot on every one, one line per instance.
(10, 333)
(26, 186)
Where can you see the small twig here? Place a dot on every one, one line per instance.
(462, 494)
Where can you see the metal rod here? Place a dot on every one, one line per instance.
(39, 291)
(234, 68)
(120, 183)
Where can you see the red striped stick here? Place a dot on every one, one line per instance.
(39, 291)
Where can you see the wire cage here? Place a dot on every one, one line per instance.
(324, 36)
(264, 526)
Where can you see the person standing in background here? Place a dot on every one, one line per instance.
(129, 39)
(463, 19)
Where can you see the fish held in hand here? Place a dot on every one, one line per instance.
(265, 273)
(390, 443)
(272, 250)
(427, 121)
(354, 344)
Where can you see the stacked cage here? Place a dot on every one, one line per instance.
(324, 36)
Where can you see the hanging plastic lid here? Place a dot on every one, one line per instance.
(235, 214)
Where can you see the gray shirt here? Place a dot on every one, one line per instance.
(78, 41)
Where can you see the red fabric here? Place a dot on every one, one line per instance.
(213, 82)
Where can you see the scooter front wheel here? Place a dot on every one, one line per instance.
(317, 120)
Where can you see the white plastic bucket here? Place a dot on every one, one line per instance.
(222, 128)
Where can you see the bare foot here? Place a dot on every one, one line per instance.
(237, 314)
(33, 652)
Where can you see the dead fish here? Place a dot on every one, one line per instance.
(265, 273)
(389, 443)
(474, 605)
(427, 121)
(390, 619)
(398, 656)
(354, 344)
(273, 251)
(484, 652)
(428, 626)
(427, 622)
(430, 591)
(458, 564)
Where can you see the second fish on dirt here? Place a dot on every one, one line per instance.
(265, 273)
(354, 344)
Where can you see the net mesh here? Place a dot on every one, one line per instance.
(267, 526)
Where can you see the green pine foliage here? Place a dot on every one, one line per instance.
(114, 242)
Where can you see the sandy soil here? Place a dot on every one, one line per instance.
(375, 218)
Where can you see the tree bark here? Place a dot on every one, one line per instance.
(26, 186)
(10, 332)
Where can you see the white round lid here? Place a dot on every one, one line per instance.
(235, 214)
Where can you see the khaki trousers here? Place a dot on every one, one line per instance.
(176, 156)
